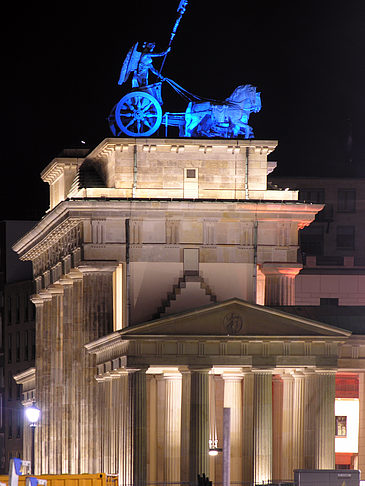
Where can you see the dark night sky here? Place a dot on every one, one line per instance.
(61, 65)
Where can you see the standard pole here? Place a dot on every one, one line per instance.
(32, 428)
(226, 446)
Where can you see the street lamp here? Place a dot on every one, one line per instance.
(32, 413)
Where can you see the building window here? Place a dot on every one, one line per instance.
(32, 344)
(10, 424)
(17, 309)
(19, 424)
(17, 346)
(10, 386)
(26, 309)
(328, 301)
(345, 237)
(190, 173)
(10, 348)
(9, 313)
(312, 195)
(341, 426)
(312, 240)
(26, 345)
(346, 200)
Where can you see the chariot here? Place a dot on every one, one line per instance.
(139, 113)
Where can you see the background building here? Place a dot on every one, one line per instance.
(17, 337)
(332, 247)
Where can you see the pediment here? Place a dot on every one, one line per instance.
(237, 318)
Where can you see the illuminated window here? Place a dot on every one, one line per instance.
(341, 426)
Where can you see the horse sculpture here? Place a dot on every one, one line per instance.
(227, 119)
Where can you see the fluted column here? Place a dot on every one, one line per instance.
(298, 421)
(138, 417)
(279, 282)
(309, 420)
(97, 303)
(262, 426)
(248, 427)
(185, 425)
(172, 427)
(277, 417)
(233, 400)
(325, 421)
(287, 444)
(199, 423)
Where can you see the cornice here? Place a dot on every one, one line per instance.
(57, 166)
(25, 376)
(110, 145)
(50, 239)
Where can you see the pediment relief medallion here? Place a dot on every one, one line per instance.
(233, 323)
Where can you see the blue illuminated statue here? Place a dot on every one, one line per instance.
(227, 119)
(140, 63)
(139, 112)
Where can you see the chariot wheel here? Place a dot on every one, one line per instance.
(138, 114)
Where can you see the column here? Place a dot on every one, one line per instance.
(199, 423)
(125, 458)
(248, 427)
(361, 464)
(279, 282)
(277, 417)
(233, 400)
(325, 420)
(185, 425)
(262, 426)
(172, 427)
(298, 421)
(97, 311)
(287, 444)
(151, 428)
(43, 303)
(309, 418)
(138, 417)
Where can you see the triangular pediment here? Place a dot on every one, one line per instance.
(237, 318)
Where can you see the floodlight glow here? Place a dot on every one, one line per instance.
(32, 413)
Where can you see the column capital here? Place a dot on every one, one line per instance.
(238, 376)
(287, 269)
(200, 369)
(326, 371)
(143, 368)
(257, 371)
(55, 289)
(107, 266)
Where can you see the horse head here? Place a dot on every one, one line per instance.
(247, 97)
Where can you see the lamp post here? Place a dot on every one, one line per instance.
(32, 413)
